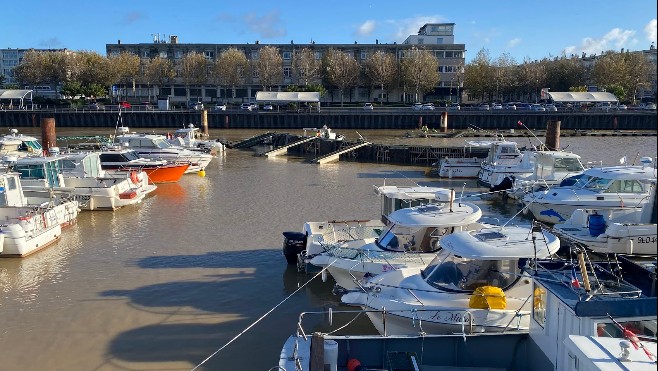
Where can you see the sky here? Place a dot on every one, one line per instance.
(526, 30)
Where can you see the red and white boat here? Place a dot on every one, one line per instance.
(158, 171)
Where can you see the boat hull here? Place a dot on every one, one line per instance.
(166, 174)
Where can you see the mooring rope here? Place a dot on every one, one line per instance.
(259, 319)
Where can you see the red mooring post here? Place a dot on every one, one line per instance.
(48, 135)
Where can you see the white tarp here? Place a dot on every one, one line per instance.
(594, 97)
(286, 96)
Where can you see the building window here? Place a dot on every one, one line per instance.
(318, 55)
(287, 72)
(163, 54)
(421, 41)
(208, 54)
(254, 55)
(364, 55)
(145, 53)
(286, 56)
(439, 40)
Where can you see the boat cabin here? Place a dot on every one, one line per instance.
(556, 165)
(504, 153)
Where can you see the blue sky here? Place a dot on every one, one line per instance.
(524, 29)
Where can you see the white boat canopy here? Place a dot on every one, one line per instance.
(593, 97)
(435, 215)
(500, 243)
(641, 173)
(287, 96)
(414, 193)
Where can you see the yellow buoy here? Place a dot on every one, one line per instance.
(202, 173)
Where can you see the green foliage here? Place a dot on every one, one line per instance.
(71, 89)
(619, 91)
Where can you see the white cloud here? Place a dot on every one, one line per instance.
(615, 39)
(267, 26)
(650, 30)
(366, 28)
(410, 26)
(514, 42)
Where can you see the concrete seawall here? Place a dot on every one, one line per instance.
(382, 119)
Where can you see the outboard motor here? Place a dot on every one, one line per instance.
(505, 184)
(293, 244)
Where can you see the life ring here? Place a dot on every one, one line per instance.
(133, 177)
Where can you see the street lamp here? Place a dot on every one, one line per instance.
(536, 89)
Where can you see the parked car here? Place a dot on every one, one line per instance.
(220, 107)
(523, 106)
(268, 107)
(417, 106)
(195, 105)
(368, 106)
(550, 107)
(454, 107)
(621, 107)
(496, 106)
(510, 106)
(124, 104)
(647, 106)
(537, 108)
(428, 107)
(93, 106)
(247, 106)
(484, 107)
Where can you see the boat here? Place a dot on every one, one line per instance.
(79, 176)
(464, 167)
(28, 228)
(550, 168)
(123, 160)
(324, 133)
(581, 314)
(300, 247)
(504, 159)
(19, 145)
(613, 231)
(188, 137)
(410, 241)
(156, 146)
(601, 188)
(480, 276)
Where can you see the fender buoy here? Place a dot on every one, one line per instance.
(133, 177)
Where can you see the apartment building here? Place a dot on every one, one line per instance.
(437, 38)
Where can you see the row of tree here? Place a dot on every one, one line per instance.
(416, 73)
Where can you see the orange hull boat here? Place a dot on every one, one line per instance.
(166, 173)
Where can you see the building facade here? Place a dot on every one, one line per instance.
(438, 39)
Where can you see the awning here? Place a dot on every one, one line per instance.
(14, 93)
(286, 96)
(594, 97)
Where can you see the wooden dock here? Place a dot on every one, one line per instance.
(284, 148)
(334, 156)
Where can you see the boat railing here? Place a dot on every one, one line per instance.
(373, 256)
(338, 232)
(337, 322)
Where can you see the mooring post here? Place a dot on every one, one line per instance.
(204, 122)
(553, 135)
(48, 135)
(443, 127)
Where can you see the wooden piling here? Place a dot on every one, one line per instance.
(204, 122)
(48, 135)
(553, 135)
(443, 127)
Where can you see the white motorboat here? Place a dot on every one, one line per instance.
(79, 176)
(19, 145)
(300, 247)
(504, 160)
(188, 137)
(604, 323)
(464, 167)
(614, 231)
(324, 133)
(157, 146)
(598, 188)
(411, 241)
(27, 228)
(477, 279)
(550, 168)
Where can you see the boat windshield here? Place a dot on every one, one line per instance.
(161, 143)
(453, 273)
(131, 155)
(642, 328)
(568, 164)
(596, 184)
(395, 238)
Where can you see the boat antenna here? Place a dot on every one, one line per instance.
(635, 159)
(116, 127)
(533, 134)
(462, 195)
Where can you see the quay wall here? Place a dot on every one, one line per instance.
(340, 119)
